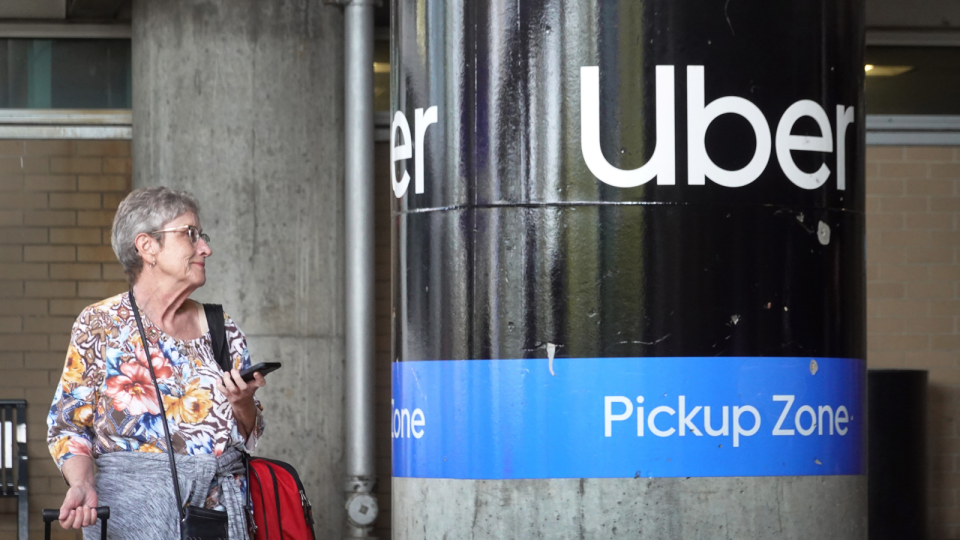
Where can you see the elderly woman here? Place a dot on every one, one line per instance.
(106, 409)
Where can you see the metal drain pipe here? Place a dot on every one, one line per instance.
(361, 503)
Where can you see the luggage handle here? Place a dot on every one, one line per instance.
(53, 514)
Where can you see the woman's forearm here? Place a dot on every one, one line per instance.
(78, 470)
(245, 412)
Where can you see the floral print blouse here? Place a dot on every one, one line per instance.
(106, 401)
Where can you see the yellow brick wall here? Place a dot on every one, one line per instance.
(913, 307)
(57, 200)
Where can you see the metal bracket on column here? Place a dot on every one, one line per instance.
(361, 505)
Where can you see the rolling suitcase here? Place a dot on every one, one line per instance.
(51, 514)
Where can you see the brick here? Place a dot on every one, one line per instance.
(50, 289)
(48, 325)
(24, 165)
(10, 325)
(884, 290)
(76, 165)
(873, 238)
(49, 253)
(11, 289)
(49, 148)
(939, 343)
(50, 218)
(96, 254)
(11, 148)
(885, 186)
(68, 307)
(929, 186)
(117, 166)
(884, 325)
(93, 218)
(872, 205)
(897, 342)
(103, 148)
(23, 307)
(941, 290)
(884, 153)
(114, 272)
(903, 204)
(50, 183)
(112, 201)
(23, 342)
(945, 204)
(873, 273)
(905, 238)
(926, 255)
(75, 271)
(885, 255)
(884, 359)
(939, 325)
(930, 359)
(945, 170)
(898, 308)
(23, 201)
(929, 153)
(902, 170)
(75, 236)
(11, 182)
(11, 360)
(945, 238)
(945, 308)
(22, 271)
(11, 254)
(80, 201)
(103, 183)
(101, 289)
(944, 272)
(11, 218)
(874, 222)
(928, 221)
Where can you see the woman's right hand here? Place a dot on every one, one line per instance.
(79, 507)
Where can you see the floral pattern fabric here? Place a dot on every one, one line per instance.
(106, 400)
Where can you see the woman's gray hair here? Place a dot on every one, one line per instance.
(143, 211)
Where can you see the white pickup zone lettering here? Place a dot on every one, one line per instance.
(405, 424)
(805, 421)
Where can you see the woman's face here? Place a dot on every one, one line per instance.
(180, 259)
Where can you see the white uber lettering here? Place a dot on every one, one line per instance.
(699, 118)
(662, 164)
(787, 142)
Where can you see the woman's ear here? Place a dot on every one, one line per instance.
(147, 247)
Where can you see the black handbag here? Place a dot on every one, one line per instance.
(196, 523)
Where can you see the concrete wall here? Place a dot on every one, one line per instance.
(57, 200)
(913, 289)
(239, 101)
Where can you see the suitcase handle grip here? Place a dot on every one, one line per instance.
(53, 514)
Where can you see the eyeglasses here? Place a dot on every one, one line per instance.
(192, 232)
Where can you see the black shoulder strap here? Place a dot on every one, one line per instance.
(218, 335)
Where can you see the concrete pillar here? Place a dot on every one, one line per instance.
(240, 102)
(629, 269)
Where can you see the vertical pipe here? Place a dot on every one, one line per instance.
(358, 210)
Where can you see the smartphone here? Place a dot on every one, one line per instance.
(262, 367)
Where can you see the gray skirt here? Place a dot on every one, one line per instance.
(138, 488)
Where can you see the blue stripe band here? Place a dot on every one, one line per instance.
(503, 419)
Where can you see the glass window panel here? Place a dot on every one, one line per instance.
(913, 80)
(65, 74)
